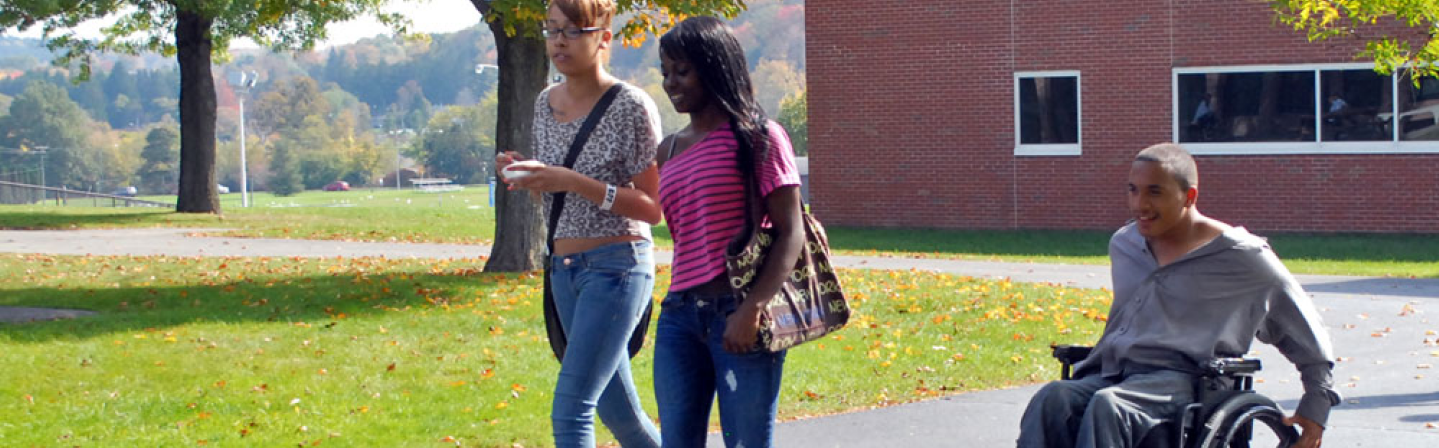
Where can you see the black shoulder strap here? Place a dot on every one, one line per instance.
(558, 204)
(754, 211)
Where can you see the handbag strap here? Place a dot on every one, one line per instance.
(754, 205)
(557, 205)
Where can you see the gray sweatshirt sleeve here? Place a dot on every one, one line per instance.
(1293, 326)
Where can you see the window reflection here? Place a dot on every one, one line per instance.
(1246, 107)
(1356, 106)
(1418, 109)
(1049, 110)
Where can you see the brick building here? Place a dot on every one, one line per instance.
(1026, 114)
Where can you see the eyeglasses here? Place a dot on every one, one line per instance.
(569, 33)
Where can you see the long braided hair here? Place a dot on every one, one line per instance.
(711, 47)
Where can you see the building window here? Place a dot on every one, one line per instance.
(1353, 102)
(1304, 109)
(1247, 107)
(1047, 113)
(1418, 110)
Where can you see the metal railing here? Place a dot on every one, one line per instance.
(18, 193)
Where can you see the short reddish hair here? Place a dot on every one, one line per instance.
(587, 13)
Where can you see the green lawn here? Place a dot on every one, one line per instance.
(359, 215)
(373, 352)
(465, 217)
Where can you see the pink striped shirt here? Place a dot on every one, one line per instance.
(702, 195)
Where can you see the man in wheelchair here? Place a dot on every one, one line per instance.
(1187, 289)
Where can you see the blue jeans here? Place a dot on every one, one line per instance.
(600, 294)
(692, 367)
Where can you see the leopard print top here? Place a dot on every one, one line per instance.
(622, 145)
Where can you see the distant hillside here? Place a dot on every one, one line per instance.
(23, 53)
(18, 53)
(389, 74)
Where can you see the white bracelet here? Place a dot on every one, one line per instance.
(610, 192)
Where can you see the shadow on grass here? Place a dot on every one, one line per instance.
(63, 219)
(319, 300)
(1422, 248)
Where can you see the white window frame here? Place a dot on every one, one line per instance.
(1394, 146)
(1059, 149)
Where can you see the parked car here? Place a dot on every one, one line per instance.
(125, 191)
(222, 188)
(338, 185)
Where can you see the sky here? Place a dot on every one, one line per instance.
(428, 16)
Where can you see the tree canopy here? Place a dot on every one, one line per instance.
(1391, 47)
(43, 118)
(192, 31)
(149, 25)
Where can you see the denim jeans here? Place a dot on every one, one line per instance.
(600, 294)
(692, 367)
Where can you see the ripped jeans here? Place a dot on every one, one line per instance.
(692, 367)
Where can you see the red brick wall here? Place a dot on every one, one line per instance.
(912, 117)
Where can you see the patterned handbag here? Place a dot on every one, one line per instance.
(810, 303)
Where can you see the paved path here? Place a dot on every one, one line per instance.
(1391, 396)
(10, 314)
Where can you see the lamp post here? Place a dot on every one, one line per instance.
(243, 82)
(395, 140)
(41, 150)
(484, 167)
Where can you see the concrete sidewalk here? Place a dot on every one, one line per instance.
(1382, 330)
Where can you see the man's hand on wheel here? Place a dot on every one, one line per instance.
(1310, 434)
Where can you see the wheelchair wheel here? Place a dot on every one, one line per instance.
(1231, 422)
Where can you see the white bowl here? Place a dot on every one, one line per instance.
(511, 174)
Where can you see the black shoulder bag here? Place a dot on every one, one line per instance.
(556, 332)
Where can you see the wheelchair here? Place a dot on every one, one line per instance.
(1225, 413)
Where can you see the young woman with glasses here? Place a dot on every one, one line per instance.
(602, 274)
(705, 343)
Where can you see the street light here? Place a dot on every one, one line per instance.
(41, 150)
(243, 82)
(395, 136)
(484, 167)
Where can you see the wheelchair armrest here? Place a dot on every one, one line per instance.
(1069, 354)
(1245, 366)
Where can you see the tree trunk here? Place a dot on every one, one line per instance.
(197, 115)
(519, 222)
